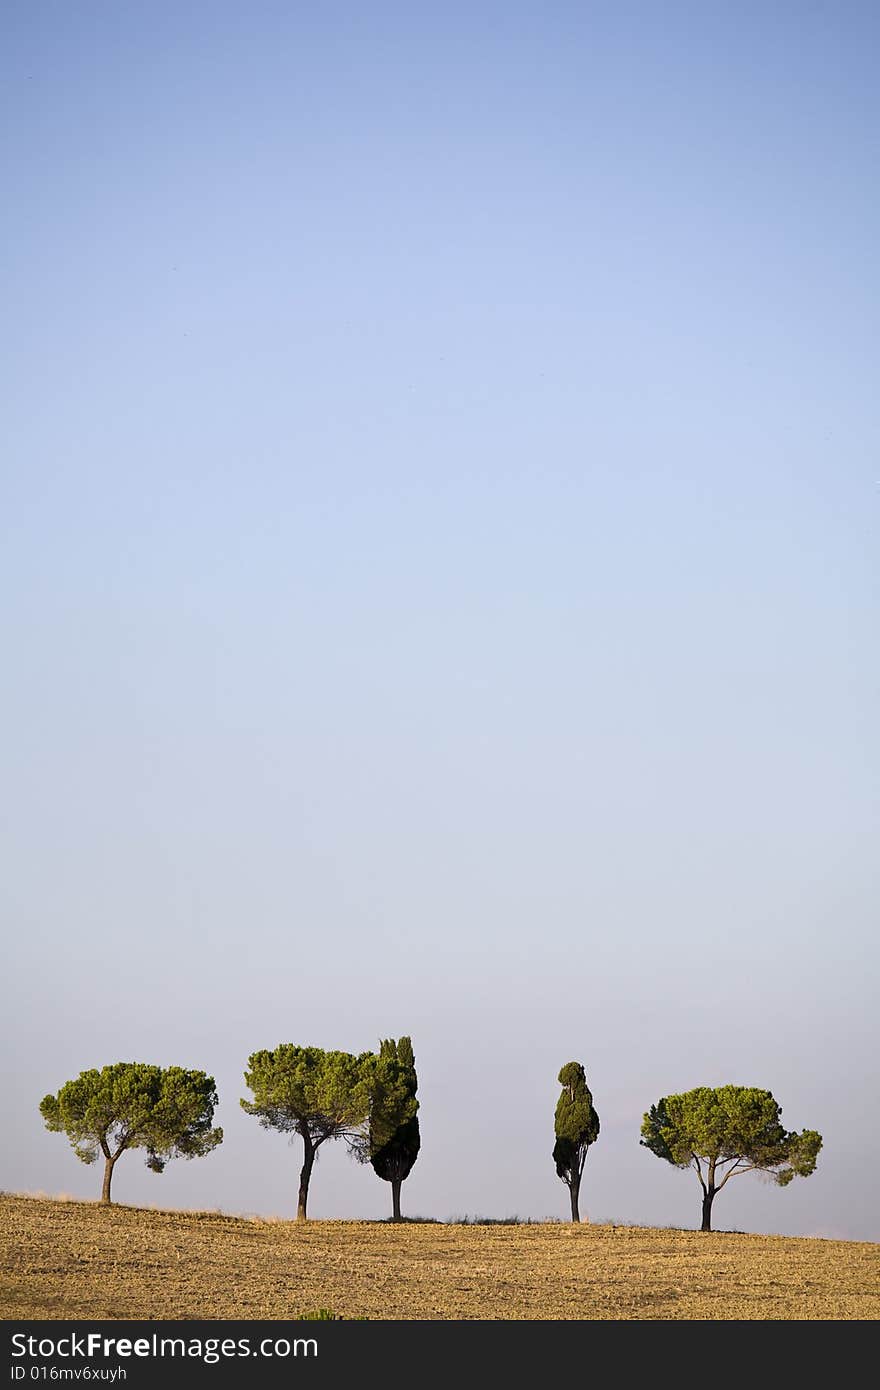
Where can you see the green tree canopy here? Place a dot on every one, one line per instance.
(723, 1131)
(315, 1094)
(392, 1138)
(577, 1127)
(166, 1110)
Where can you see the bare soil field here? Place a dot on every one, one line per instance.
(65, 1259)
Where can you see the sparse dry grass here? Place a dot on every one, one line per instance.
(79, 1260)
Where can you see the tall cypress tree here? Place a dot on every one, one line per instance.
(577, 1127)
(393, 1138)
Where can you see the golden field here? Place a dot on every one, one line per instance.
(65, 1259)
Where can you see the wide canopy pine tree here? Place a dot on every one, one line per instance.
(131, 1105)
(315, 1094)
(724, 1131)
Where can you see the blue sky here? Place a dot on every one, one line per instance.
(439, 525)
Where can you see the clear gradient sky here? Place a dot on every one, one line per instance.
(439, 578)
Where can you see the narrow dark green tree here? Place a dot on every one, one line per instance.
(723, 1131)
(392, 1137)
(577, 1127)
(311, 1093)
(166, 1110)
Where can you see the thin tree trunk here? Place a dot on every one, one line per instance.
(574, 1188)
(304, 1176)
(708, 1198)
(396, 1184)
(108, 1177)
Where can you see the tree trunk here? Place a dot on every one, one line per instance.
(708, 1198)
(304, 1176)
(396, 1184)
(108, 1177)
(574, 1188)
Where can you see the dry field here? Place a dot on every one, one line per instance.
(63, 1259)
